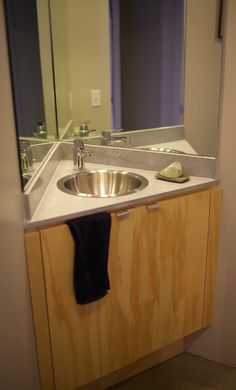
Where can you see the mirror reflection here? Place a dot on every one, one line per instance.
(138, 65)
(118, 64)
(141, 67)
(35, 113)
(33, 86)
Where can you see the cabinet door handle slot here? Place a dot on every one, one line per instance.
(152, 207)
(123, 214)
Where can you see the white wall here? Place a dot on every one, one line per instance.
(18, 369)
(219, 341)
(202, 76)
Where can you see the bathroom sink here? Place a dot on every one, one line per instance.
(102, 183)
(161, 149)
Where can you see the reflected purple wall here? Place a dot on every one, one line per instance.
(151, 44)
(21, 17)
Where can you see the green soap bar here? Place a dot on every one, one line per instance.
(180, 179)
(172, 171)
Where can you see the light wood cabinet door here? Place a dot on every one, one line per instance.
(157, 261)
(89, 341)
(163, 298)
(172, 271)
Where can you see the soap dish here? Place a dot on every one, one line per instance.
(180, 179)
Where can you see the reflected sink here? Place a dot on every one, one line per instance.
(102, 183)
(25, 179)
(165, 150)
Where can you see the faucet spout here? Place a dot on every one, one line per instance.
(24, 162)
(108, 138)
(26, 156)
(79, 154)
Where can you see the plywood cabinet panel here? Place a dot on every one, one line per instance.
(180, 259)
(158, 267)
(39, 305)
(168, 271)
(91, 340)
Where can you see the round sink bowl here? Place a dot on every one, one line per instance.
(102, 183)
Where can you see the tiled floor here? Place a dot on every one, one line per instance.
(184, 372)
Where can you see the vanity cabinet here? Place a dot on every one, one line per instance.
(162, 271)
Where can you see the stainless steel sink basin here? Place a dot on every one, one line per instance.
(165, 150)
(102, 183)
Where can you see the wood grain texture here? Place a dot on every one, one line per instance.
(157, 265)
(138, 366)
(38, 297)
(172, 272)
(212, 251)
(88, 341)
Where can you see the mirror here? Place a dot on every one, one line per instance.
(33, 86)
(138, 65)
(112, 68)
(88, 79)
(31, 68)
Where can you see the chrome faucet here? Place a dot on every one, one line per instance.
(26, 156)
(108, 138)
(84, 130)
(79, 154)
(24, 162)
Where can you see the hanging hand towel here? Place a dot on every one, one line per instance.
(91, 236)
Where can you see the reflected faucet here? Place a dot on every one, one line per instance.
(108, 138)
(26, 156)
(41, 131)
(79, 154)
(84, 130)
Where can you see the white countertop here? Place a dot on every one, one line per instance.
(57, 206)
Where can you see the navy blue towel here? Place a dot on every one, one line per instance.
(91, 236)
